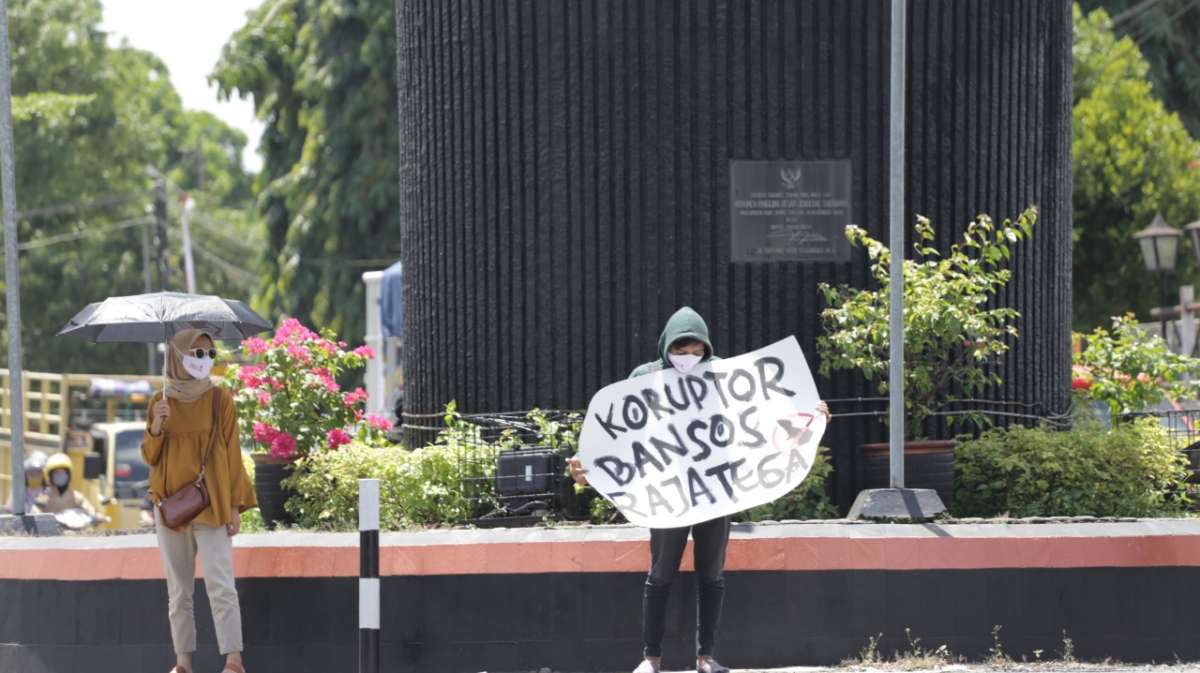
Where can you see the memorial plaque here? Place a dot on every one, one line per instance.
(790, 211)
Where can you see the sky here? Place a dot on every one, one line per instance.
(188, 35)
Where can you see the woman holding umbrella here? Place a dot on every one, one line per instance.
(177, 448)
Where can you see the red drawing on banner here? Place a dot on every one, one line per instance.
(792, 431)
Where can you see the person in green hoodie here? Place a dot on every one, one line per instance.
(683, 344)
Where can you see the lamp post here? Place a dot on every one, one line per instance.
(1160, 243)
(1193, 232)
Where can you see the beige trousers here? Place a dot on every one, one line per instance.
(179, 559)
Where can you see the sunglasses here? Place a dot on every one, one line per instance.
(200, 353)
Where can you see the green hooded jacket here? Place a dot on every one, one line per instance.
(685, 323)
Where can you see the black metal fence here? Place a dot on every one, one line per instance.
(1183, 430)
(516, 474)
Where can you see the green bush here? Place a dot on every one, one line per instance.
(1131, 470)
(252, 521)
(1130, 370)
(807, 501)
(417, 488)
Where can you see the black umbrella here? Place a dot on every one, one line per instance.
(157, 317)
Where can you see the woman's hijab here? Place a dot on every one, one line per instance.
(180, 384)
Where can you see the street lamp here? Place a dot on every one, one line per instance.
(1193, 231)
(1160, 243)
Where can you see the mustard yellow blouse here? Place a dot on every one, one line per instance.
(174, 457)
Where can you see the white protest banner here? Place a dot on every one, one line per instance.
(672, 450)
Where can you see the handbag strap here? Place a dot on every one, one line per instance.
(212, 433)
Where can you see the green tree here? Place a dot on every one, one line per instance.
(1132, 158)
(91, 122)
(1168, 34)
(322, 75)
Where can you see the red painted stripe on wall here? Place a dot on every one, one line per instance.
(786, 554)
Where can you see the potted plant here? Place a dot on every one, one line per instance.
(290, 403)
(951, 330)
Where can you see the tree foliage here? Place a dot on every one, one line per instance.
(952, 330)
(322, 76)
(91, 123)
(1167, 32)
(1132, 159)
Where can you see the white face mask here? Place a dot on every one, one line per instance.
(60, 478)
(684, 363)
(199, 368)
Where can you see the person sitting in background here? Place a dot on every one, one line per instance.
(58, 496)
(35, 482)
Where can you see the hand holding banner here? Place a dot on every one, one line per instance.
(672, 450)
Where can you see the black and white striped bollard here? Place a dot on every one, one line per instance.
(368, 576)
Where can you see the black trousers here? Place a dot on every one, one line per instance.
(666, 551)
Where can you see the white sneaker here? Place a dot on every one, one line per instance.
(710, 665)
(647, 666)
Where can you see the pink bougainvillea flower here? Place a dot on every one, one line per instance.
(353, 398)
(365, 351)
(328, 346)
(264, 398)
(264, 434)
(255, 346)
(249, 375)
(298, 352)
(283, 446)
(337, 437)
(379, 422)
(275, 384)
(292, 331)
(326, 379)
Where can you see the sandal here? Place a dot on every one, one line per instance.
(710, 665)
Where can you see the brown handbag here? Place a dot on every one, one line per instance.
(178, 509)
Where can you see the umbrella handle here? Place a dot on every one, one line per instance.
(166, 361)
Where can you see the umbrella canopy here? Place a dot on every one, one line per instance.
(157, 317)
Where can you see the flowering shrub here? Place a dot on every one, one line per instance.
(1129, 370)
(289, 400)
(953, 331)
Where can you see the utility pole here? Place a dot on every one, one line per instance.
(185, 218)
(160, 237)
(201, 164)
(12, 271)
(147, 288)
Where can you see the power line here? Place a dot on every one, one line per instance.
(230, 269)
(63, 238)
(207, 225)
(103, 201)
(1136, 39)
(1132, 12)
(1142, 35)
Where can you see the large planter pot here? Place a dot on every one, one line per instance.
(269, 473)
(927, 464)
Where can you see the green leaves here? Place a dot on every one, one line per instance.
(1132, 158)
(90, 119)
(805, 502)
(445, 483)
(950, 332)
(1131, 470)
(322, 76)
(1130, 370)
